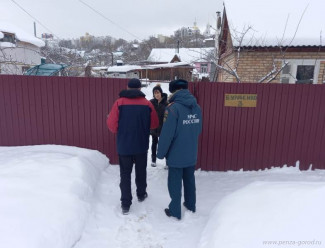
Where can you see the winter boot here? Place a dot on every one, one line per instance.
(167, 212)
(125, 210)
(142, 198)
(188, 208)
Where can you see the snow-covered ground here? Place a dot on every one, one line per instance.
(46, 194)
(292, 201)
(63, 197)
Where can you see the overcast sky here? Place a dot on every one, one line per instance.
(138, 19)
(272, 19)
(131, 19)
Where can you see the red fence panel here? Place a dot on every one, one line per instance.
(58, 110)
(286, 126)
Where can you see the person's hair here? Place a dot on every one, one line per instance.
(157, 87)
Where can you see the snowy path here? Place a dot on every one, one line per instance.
(147, 225)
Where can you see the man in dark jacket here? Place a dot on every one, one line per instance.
(179, 144)
(132, 116)
(159, 101)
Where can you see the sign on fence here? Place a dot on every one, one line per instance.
(240, 100)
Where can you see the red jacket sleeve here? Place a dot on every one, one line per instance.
(154, 121)
(112, 119)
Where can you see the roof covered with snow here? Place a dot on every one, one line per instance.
(123, 68)
(188, 55)
(296, 42)
(21, 35)
(290, 22)
(167, 65)
(127, 68)
(99, 68)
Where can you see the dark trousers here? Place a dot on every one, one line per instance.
(175, 178)
(126, 166)
(154, 148)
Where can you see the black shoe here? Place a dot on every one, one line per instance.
(167, 212)
(125, 210)
(142, 198)
(153, 164)
(188, 208)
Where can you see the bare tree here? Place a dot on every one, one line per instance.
(231, 52)
(10, 63)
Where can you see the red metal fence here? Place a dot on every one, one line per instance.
(58, 110)
(288, 123)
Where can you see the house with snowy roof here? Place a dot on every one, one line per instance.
(153, 72)
(124, 71)
(19, 50)
(277, 41)
(201, 59)
(168, 71)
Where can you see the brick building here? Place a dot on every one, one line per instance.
(277, 57)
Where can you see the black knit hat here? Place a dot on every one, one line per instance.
(134, 83)
(157, 87)
(177, 84)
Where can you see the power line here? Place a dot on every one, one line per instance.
(106, 18)
(35, 19)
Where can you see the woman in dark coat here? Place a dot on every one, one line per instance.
(159, 102)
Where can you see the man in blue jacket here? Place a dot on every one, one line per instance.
(179, 144)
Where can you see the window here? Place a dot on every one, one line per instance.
(204, 68)
(7, 37)
(305, 74)
(24, 68)
(300, 71)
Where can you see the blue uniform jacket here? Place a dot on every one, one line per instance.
(178, 140)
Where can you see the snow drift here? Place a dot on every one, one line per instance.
(268, 214)
(46, 194)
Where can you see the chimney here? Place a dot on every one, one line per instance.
(218, 31)
(218, 20)
(217, 41)
(35, 29)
